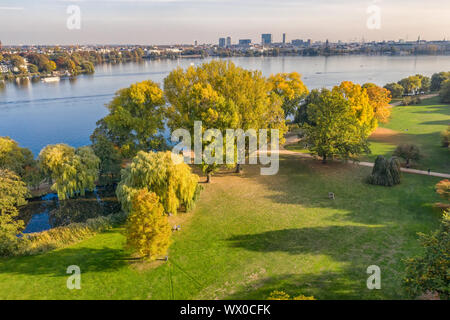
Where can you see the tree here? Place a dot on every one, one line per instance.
(135, 118)
(156, 172)
(13, 193)
(425, 83)
(109, 155)
(147, 228)
(395, 89)
(410, 84)
(429, 272)
(444, 93)
(443, 189)
(359, 102)
(333, 128)
(71, 171)
(385, 173)
(222, 96)
(15, 158)
(408, 152)
(17, 61)
(379, 98)
(437, 79)
(291, 89)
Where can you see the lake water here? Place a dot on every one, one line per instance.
(36, 114)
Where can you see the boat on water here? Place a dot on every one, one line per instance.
(50, 79)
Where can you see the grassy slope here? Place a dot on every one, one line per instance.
(250, 235)
(424, 123)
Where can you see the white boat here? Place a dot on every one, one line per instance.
(50, 79)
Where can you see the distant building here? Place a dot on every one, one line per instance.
(228, 41)
(298, 42)
(284, 38)
(266, 38)
(245, 42)
(222, 42)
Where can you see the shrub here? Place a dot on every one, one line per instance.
(429, 272)
(444, 93)
(408, 152)
(445, 137)
(174, 184)
(281, 295)
(385, 173)
(147, 229)
(10, 232)
(443, 189)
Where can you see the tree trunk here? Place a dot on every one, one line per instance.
(324, 158)
(238, 168)
(208, 177)
(407, 163)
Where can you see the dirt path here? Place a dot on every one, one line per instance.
(426, 96)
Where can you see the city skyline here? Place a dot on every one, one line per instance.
(184, 21)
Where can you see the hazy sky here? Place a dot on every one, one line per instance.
(183, 21)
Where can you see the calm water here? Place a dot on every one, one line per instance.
(37, 114)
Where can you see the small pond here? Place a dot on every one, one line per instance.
(48, 212)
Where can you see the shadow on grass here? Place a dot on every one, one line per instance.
(55, 263)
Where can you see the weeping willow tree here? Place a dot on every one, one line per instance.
(147, 228)
(72, 171)
(173, 183)
(385, 172)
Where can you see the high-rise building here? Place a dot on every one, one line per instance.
(297, 42)
(228, 41)
(245, 42)
(284, 38)
(222, 42)
(266, 38)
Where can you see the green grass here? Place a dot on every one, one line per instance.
(421, 125)
(250, 235)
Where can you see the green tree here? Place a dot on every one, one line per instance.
(429, 272)
(291, 89)
(156, 172)
(17, 159)
(395, 89)
(425, 83)
(437, 79)
(109, 155)
(222, 96)
(333, 128)
(410, 84)
(147, 227)
(408, 152)
(444, 93)
(135, 118)
(71, 171)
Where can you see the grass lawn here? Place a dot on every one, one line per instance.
(418, 124)
(252, 234)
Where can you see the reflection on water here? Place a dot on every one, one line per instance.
(48, 212)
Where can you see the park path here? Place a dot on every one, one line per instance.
(426, 96)
(293, 139)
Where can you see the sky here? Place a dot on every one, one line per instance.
(186, 21)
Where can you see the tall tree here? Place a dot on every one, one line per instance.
(437, 79)
(395, 89)
(333, 129)
(135, 118)
(379, 98)
(444, 93)
(291, 89)
(410, 84)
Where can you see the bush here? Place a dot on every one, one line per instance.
(385, 173)
(147, 229)
(10, 232)
(429, 272)
(174, 184)
(443, 189)
(281, 295)
(445, 137)
(444, 93)
(408, 152)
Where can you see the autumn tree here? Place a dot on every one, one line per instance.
(17, 159)
(379, 98)
(437, 79)
(222, 96)
(444, 93)
(135, 118)
(332, 128)
(425, 82)
(445, 137)
(443, 189)
(395, 89)
(408, 152)
(72, 171)
(410, 84)
(147, 228)
(156, 172)
(291, 89)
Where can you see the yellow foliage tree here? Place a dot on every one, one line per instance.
(290, 87)
(147, 228)
(379, 98)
